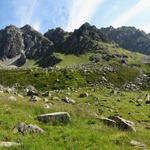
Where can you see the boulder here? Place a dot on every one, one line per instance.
(12, 98)
(31, 90)
(69, 101)
(9, 144)
(147, 102)
(48, 93)
(45, 100)
(108, 122)
(23, 128)
(123, 124)
(82, 95)
(34, 99)
(62, 117)
(137, 144)
(46, 106)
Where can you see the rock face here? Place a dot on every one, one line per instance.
(83, 40)
(23, 128)
(19, 44)
(35, 44)
(57, 36)
(62, 117)
(11, 42)
(129, 38)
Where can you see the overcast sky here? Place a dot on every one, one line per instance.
(71, 14)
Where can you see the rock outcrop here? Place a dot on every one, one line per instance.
(129, 38)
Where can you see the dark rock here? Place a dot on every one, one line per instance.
(147, 102)
(11, 42)
(82, 95)
(129, 38)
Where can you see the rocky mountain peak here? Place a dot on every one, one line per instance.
(57, 35)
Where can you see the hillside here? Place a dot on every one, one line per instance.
(72, 91)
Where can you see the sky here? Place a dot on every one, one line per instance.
(71, 14)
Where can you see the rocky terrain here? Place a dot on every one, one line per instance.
(78, 90)
(129, 38)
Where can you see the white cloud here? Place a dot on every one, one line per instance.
(24, 10)
(81, 12)
(145, 27)
(132, 12)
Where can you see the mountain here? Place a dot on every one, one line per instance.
(19, 44)
(129, 38)
(80, 41)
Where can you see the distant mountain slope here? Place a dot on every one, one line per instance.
(80, 41)
(19, 44)
(129, 38)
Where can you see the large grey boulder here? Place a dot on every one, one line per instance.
(62, 117)
(23, 128)
(9, 144)
(123, 124)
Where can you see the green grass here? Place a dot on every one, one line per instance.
(45, 80)
(71, 60)
(84, 131)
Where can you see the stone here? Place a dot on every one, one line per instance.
(31, 90)
(147, 102)
(69, 101)
(114, 92)
(147, 97)
(12, 98)
(46, 106)
(55, 98)
(48, 93)
(45, 100)
(34, 99)
(62, 117)
(82, 95)
(108, 122)
(137, 144)
(9, 144)
(23, 128)
(139, 100)
(123, 124)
